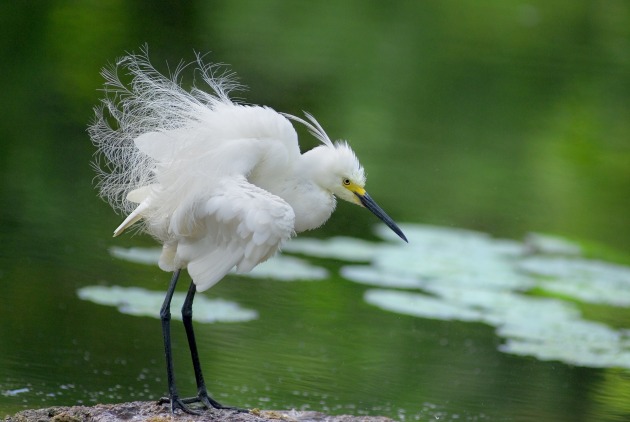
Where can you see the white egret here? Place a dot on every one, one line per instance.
(221, 185)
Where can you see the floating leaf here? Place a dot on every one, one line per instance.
(365, 274)
(419, 305)
(287, 268)
(141, 302)
(279, 267)
(342, 248)
(586, 280)
(472, 277)
(469, 276)
(551, 245)
(147, 256)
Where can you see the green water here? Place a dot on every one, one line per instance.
(501, 117)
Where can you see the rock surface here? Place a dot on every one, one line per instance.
(157, 412)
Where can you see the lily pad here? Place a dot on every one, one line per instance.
(288, 268)
(551, 245)
(279, 267)
(141, 302)
(465, 275)
(147, 256)
(419, 305)
(470, 276)
(340, 247)
(586, 280)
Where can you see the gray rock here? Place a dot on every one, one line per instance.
(158, 412)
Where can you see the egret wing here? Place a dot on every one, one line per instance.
(240, 225)
(188, 162)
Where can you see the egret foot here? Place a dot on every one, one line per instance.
(208, 402)
(178, 404)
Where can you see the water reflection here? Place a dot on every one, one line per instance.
(611, 397)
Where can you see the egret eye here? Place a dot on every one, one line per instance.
(346, 182)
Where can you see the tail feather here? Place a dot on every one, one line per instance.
(132, 218)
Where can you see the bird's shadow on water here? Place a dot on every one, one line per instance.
(531, 291)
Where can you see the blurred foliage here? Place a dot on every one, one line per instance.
(502, 116)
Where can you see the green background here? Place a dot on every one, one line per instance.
(500, 116)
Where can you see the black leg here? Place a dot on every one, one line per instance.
(202, 392)
(165, 316)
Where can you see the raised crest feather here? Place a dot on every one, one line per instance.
(313, 127)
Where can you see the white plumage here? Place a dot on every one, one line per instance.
(220, 184)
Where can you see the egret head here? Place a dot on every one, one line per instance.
(344, 174)
(350, 185)
(336, 168)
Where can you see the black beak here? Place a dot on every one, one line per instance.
(369, 203)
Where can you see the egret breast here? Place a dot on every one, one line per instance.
(312, 206)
